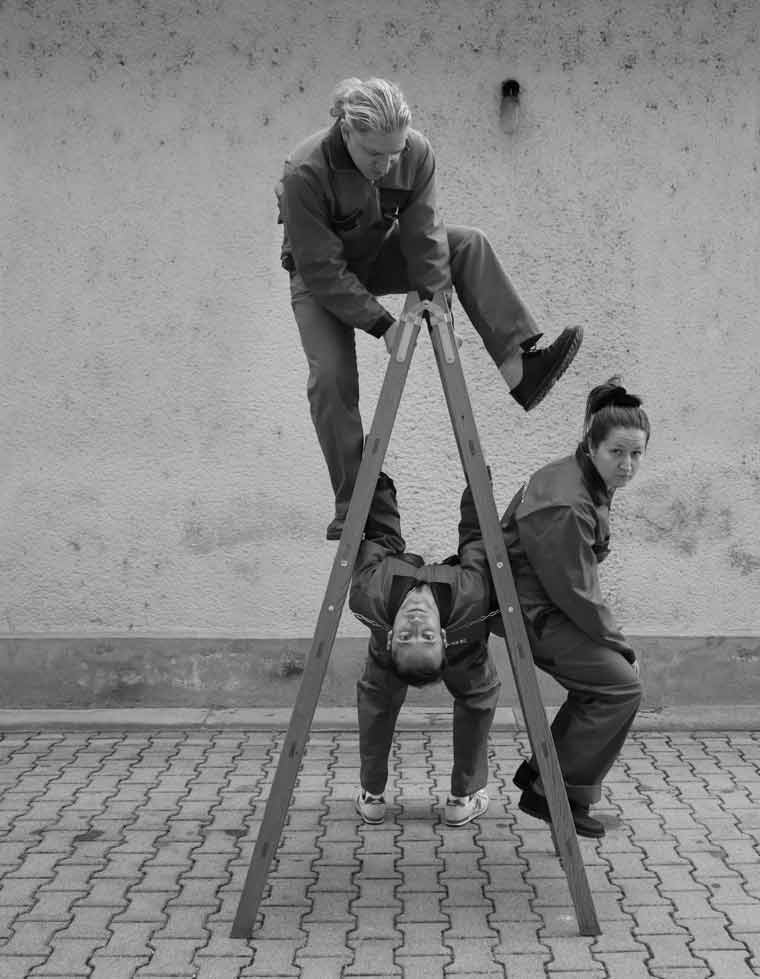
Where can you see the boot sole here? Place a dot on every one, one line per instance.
(567, 359)
(546, 818)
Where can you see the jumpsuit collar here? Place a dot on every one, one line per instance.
(594, 482)
(338, 156)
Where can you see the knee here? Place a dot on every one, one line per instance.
(636, 692)
(332, 380)
(628, 693)
(467, 241)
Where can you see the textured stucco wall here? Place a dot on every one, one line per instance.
(159, 470)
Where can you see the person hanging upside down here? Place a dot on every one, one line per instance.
(428, 623)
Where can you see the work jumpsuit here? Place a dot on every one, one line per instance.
(556, 530)
(348, 240)
(383, 575)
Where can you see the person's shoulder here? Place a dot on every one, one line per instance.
(558, 484)
(417, 143)
(308, 151)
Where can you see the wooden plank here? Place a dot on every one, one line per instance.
(518, 646)
(376, 444)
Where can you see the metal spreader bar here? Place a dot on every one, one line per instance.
(434, 313)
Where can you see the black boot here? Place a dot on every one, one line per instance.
(541, 368)
(534, 804)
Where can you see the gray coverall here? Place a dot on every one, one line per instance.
(383, 575)
(348, 240)
(556, 530)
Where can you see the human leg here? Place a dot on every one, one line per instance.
(494, 308)
(491, 302)
(380, 696)
(503, 321)
(333, 393)
(473, 681)
(604, 693)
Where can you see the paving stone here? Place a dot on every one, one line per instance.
(733, 964)
(472, 956)
(18, 966)
(89, 923)
(570, 954)
(463, 892)
(323, 967)
(31, 937)
(68, 959)
(19, 891)
(656, 920)
(518, 938)
(673, 878)
(374, 958)
(274, 957)
(470, 922)
(128, 937)
(288, 892)
(148, 906)
(750, 941)
(171, 957)
(618, 936)
(670, 951)
(509, 906)
(374, 923)
(423, 966)
(426, 939)
(339, 879)
(641, 891)
(322, 939)
(522, 966)
(329, 906)
(50, 905)
(743, 917)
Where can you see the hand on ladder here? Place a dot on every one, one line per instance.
(439, 316)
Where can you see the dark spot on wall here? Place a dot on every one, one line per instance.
(292, 663)
(745, 562)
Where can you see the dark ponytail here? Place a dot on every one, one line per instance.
(610, 406)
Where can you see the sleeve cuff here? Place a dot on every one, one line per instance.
(381, 325)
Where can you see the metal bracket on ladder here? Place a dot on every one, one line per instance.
(460, 411)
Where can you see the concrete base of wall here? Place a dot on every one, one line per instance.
(122, 672)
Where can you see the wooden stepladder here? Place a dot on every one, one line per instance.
(518, 647)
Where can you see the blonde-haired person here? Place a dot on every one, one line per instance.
(557, 531)
(358, 205)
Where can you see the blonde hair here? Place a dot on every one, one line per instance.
(372, 106)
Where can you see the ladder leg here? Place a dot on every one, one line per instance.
(518, 647)
(276, 810)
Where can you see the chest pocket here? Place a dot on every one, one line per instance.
(344, 225)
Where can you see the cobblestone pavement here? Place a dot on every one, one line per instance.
(123, 854)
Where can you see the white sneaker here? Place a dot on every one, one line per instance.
(370, 807)
(460, 809)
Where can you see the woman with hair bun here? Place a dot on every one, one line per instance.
(556, 530)
(358, 205)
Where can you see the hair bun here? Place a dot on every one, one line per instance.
(616, 395)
